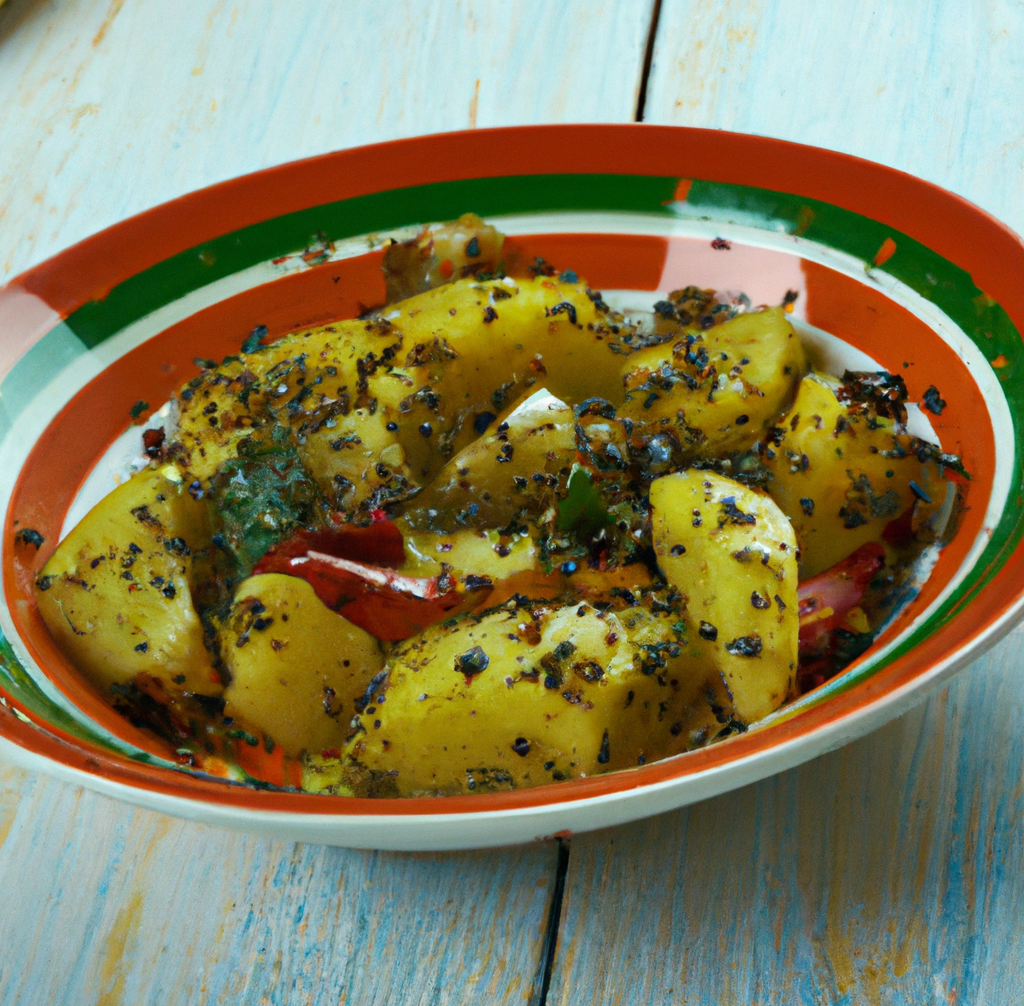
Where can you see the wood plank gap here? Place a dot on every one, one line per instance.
(554, 920)
(652, 34)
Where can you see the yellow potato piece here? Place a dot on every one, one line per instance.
(717, 391)
(733, 553)
(296, 667)
(515, 467)
(519, 699)
(115, 594)
(425, 374)
(840, 478)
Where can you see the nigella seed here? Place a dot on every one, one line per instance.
(745, 646)
(603, 754)
(677, 550)
(807, 505)
(472, 662)
(142, 647)
(521, 746)
(707, 631)
(759, 602)
(392, 427)
(426, 429)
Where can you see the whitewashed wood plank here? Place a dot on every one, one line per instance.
(109, 108)
(932, 87)
(106, 904)
(890, 872)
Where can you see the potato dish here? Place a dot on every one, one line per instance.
(495, 534)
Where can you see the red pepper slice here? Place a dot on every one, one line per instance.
(374, 597)
(377, 544)
(826, 599)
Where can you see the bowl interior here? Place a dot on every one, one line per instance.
(82, 379)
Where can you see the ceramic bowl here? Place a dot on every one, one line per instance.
(94, 339)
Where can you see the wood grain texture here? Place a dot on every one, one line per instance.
(890, 873)
(104, 904)
(112, 107)
(928, 86)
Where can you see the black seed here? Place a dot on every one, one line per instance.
(919, 492)
(482, 421)
(807, 505)
(933, 401)
(759, 602)
(602, 755)
(142, 647)
(551, 682)
(426, 429)
(521, 746)
(392, 427)
(742, 420)
(707, 631)
(677, 550)
(28, 536)
(745, 646)
(472, 662)
(780, 603)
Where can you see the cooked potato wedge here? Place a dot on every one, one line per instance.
(717, 391)
(841, 477)
(733, 553)
(516, 467)
(296, 667)
(522, 697)
(115, 594)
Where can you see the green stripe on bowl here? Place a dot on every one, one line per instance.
(931, 276)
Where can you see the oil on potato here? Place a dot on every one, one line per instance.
(733, 553)
(115, 594)
(296, 668)
(718, 390)
(522, 697)
(841, 477)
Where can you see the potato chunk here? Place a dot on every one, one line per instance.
(440, 254)
(720, 390)
(297, 668)
(520, 698)
(115, 594)
(516, 466)
(841, 477)
(425, 375)
(733, 553)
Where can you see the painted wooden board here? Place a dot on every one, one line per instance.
(109, 108)
(892, 871)
(928, 86)
(107, 905)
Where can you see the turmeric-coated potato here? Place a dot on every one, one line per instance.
(426, 374)
(733, 553)
(720, 390)
(841, 477)
(516, 466)
(521, 697)
(115, 593)
(440, 254)
(296, 667)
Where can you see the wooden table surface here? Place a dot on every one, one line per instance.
(891, 871)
